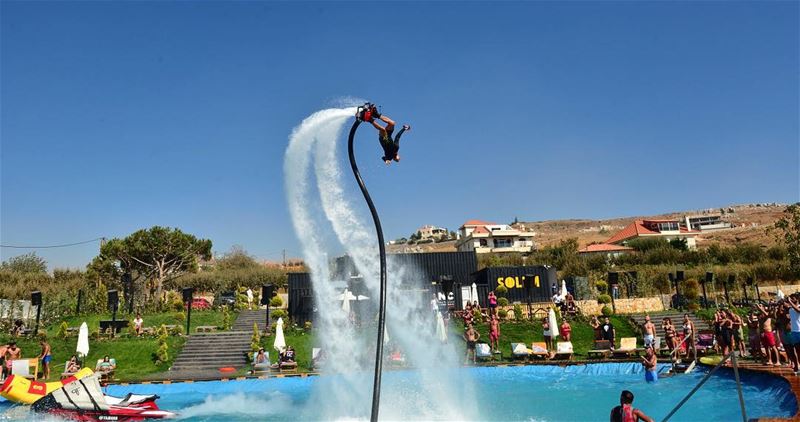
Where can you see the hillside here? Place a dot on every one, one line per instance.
(750, 222)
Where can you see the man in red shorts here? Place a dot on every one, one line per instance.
(768, 337)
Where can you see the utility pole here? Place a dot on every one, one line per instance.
(284, 258)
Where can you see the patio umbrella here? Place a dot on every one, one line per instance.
(551, 318)
(280, 341)
(83, 341)
(347, 294)
(346, 304)
(564, 289)
(441, 334)
(779, 294)
(473, 293)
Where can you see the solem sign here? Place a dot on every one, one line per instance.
(515, 282)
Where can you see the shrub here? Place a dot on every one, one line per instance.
(601, 286)
(501, 290)
(62, 330)
(477, 316)
(307, 326)
(175, 301)
(502, 313)
(278, 313)
(177, 330)
(502, 302)
(518, 312)
(276, 302)
(180, 317)
(603, 299)
(226, 318)
(607, 311)
(162, 354)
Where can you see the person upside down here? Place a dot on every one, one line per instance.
(391, 146)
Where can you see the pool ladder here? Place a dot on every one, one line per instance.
(732, 357)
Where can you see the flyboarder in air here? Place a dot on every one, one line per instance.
(391, 146)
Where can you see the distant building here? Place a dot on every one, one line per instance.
(666, 229)
(606, 249)
(706, 222)
(484, 237)
(431, 232)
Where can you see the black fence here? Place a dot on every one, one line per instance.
(301, 297)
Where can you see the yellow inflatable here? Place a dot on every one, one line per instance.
(23, 390)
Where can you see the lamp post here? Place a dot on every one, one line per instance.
(731, 281)
(127, 281)
(709, 279)
(267, 291)
(758, 292)
(528, 286)
(188, 298)
(613, 280)
(78, 304)
(747, 282)
(36, 299)
(113, 303)
(447, 287)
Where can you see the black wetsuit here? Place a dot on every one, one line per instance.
(390, 146)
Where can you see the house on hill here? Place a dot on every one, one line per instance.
(666, 229)
(610, 251)
(484, 237)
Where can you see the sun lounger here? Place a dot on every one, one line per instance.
(705, 342)
(483, 351)
(519, 351)
(260, 367)
(22, 368)
(539, 350)
(107, 374)
(563, 350)
(602, 349)
(627, 347)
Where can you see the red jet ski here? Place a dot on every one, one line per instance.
(83, 400)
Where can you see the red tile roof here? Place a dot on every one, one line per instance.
(477, 223)
(632, 230)
(604, 247)
(480, 230)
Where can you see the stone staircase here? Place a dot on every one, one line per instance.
(211, 351)
(677, 321)
(245, 320)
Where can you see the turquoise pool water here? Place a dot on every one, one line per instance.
(523, 393)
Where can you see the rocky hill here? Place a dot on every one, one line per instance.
(749, 220)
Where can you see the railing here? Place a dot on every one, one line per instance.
(673, 354)
(732, 357)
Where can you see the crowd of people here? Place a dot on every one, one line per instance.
(772, 328)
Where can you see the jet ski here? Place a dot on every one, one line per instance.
(83, 400)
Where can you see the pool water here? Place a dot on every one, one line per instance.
(523, 393)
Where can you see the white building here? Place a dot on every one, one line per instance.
(484, 237)
(431, 232)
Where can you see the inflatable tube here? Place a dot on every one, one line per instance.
(711, 360)
(22, 390)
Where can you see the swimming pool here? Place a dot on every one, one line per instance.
(525, 393)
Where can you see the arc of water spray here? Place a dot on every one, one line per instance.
(376, 384)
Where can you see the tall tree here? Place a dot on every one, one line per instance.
(787, 231)
(157, 254)
(25, 264)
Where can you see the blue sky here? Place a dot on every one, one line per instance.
(122, 115)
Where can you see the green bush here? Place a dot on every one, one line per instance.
(502, 302)
(276, 302)
(175, 301)
(502, 313)
(604, 298)
(601, 286)
(62, 330)
(518, 312)
(307, 326)
(162, 354)
(180, 317)
(255, 339)
(277, 313)
(501, 290)
(607, 311)
(226, 318)
(177, 330)
(477, 316)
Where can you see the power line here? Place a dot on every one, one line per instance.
(52, 246)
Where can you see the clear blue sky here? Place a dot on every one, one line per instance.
(122, 115)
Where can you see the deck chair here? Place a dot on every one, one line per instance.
(539, 350)
(563, 350)
(105, 376)
(627, 347)
(705, 342)
(22, 368)
(260, 367)
(602, 349)
(482, 351)
(66, 374)
(520, 351)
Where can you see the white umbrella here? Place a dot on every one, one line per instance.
(280, 341)
(474, 292)
(779, 294)
(347, 294)
(346, 306)
(551, 318)
(83, 340)
(385, 334)
(441, 334)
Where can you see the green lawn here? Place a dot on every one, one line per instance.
(134, 355)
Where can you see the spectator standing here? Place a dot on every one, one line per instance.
(768, 337)
(471, 337)
(595, 323)
(566, 330)
(46, 357)
(753, 336)
(649, 330)
(688, 335)
(492, 301)
(548, 335)
(250, 298)
(12, 353)
(670, 335)
(494, 333)
(608, 332)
